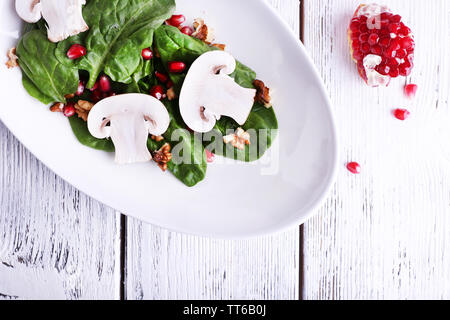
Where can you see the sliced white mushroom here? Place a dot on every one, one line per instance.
(128, 120)
(209, 92)
(64, 17)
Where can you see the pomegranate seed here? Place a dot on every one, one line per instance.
(354, 25)
(390, 52)
(157, 92)
(81, 87)
(363, 19)
(210, 156)
(393, 63)
(383, 69)
(147, 54)
(385, 42)
(176, 20)
(373, 39)
(69, 110)
(401, 114)
(401, 54)
(363, 28)
(385, 15)
(356, 45)
(385, 32)
(354, 167)
(76, 51)
(96, 95)
(95, 87)
(395, 19)
(187, 30)
(411, 90)
(394, 28)
(404, 30)
(176, 67)
(364, 37)
(161, 77)
(394, 73)
(377, 50)
(365, 48)
(358, 55)
(407, 43)
(405, 69)
(105, 83)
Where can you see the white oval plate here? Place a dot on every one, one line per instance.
(235, 200)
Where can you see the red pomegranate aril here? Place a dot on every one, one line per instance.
(411, 90)
(406, 43)
(161, 77)
(358, 55)
(105, 83)
(96, 95)
(383, 69)
(169, 84)
(385, 15)
(364, 37)
(81, 87)
(394, 73)
(187, 30)
(401, 54)
(363, 19)
(365, 48)
(76, 51)
(373, 39)
(363, 28)
(396, 18)
(95, 87)
(147, 54)
(176, 67)
(69, 110)
(393, 63)
(405, 69)
(157, 92)
(394, 28)
(385, 32)
(401, 114)
(385, 42)
(376, 50)
(176, 20)
(356, 45)
(354, 167)
(354, 25)
(390, 52)
(210, 156)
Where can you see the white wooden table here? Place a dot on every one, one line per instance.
(383, 234)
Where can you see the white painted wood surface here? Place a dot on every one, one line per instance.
(55, 242)
(168, 265)
(383, 234)
(386, 233)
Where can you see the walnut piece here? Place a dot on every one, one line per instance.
(157, 138)
(171, 95)
(12, 59)
(203, 32)
(82, 109)
(219, 45)
(57, 107)
(162, 156)
(238, 139)
(262, 93)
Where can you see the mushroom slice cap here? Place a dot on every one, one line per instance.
(128, 119)
(29, 10)
(209, 92)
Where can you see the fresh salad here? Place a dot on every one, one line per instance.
(134, 78)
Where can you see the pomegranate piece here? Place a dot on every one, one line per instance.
(176, 20)
(147, 54)
(69, 110)
(210, 157)
(176, 67)
(411, 90)
(187, 30)
(354, 167)
(169, 84)
(157, 92)
(105, 84)
(76, 51)
(401, 114)
(374, 33)
(161, 77)
(81, 87)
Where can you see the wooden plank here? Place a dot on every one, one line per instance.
(168, 265)
(55, 242)
(386, 233)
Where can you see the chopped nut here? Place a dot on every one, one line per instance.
(82, 109)
(69, 96)
(220, 46)
(202, 31)
(57, 107)
(157, 138)
(262, 93)
(162, 156)
(238, 139)
(12, 59)
(171, 94)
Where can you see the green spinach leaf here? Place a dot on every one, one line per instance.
(80, 129)
(119, 30)
(44, 77)
(173, 45)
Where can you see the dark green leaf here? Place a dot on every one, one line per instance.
(80, 129)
